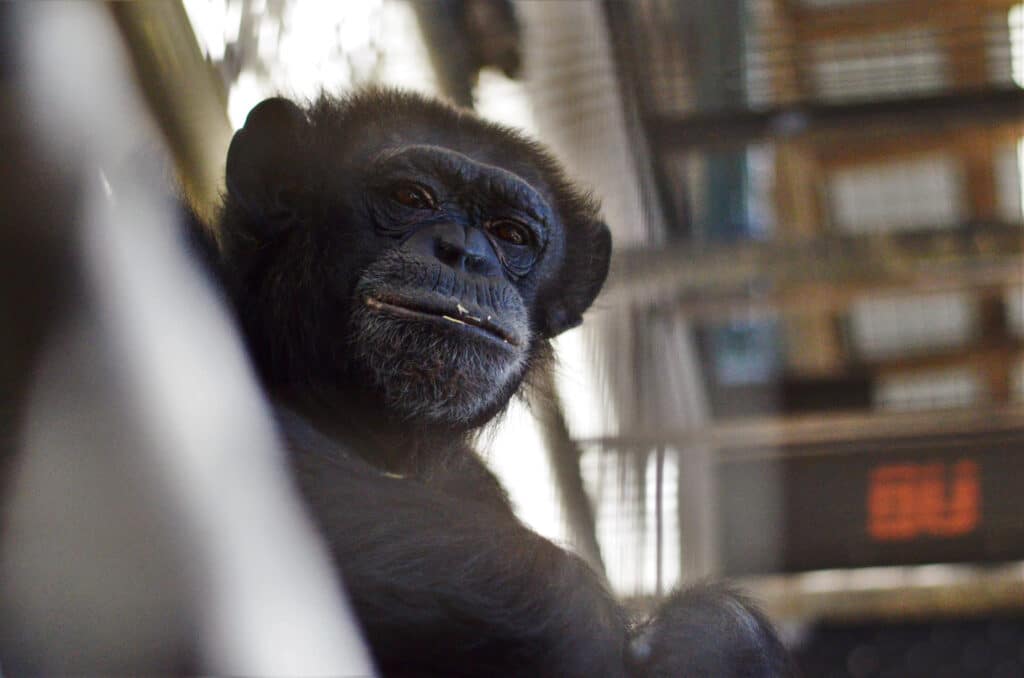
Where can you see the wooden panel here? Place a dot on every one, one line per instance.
(963, 29)
(783, 52)
(869, 18)
(996, 365)
(981, 354)
(813, 342)
(881, 148)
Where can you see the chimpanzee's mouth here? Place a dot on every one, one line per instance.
(471, 319)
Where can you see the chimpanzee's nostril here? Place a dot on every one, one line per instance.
(460, 248)
(476, 264)
(449, 253)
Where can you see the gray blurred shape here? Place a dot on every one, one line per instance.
(150, 525)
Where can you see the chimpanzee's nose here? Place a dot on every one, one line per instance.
(463, 248)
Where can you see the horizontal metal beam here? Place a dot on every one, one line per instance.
(876, 594)
(821, 274)
(736, 128)
(892, 593)
(759, 437)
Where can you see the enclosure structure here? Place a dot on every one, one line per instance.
(808, 367)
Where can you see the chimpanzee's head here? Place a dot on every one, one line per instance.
(390, 247)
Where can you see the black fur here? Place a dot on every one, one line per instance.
(398, 267)
(709, 630)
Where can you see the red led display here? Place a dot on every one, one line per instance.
(906, 501)
(873, 502)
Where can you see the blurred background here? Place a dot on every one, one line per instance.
(807, 369)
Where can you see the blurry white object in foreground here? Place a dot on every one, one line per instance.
(152, 524)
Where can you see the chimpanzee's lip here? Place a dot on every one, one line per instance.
(456, 315)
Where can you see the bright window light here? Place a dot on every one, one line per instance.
(1016, 21)
(304, 48)
(503, 100)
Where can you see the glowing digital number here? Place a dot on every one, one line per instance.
(909, 500)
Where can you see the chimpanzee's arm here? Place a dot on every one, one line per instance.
(449, 586)
(709, 630)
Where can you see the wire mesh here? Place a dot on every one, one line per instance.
(821, 52)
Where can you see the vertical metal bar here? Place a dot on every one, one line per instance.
(564, 455)
(659, 518)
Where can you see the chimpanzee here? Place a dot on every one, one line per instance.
(398, 267)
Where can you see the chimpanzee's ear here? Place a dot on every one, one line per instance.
(583, 273)
(263, 173)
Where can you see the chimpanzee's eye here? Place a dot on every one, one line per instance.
(415, 196)
(510, 231)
